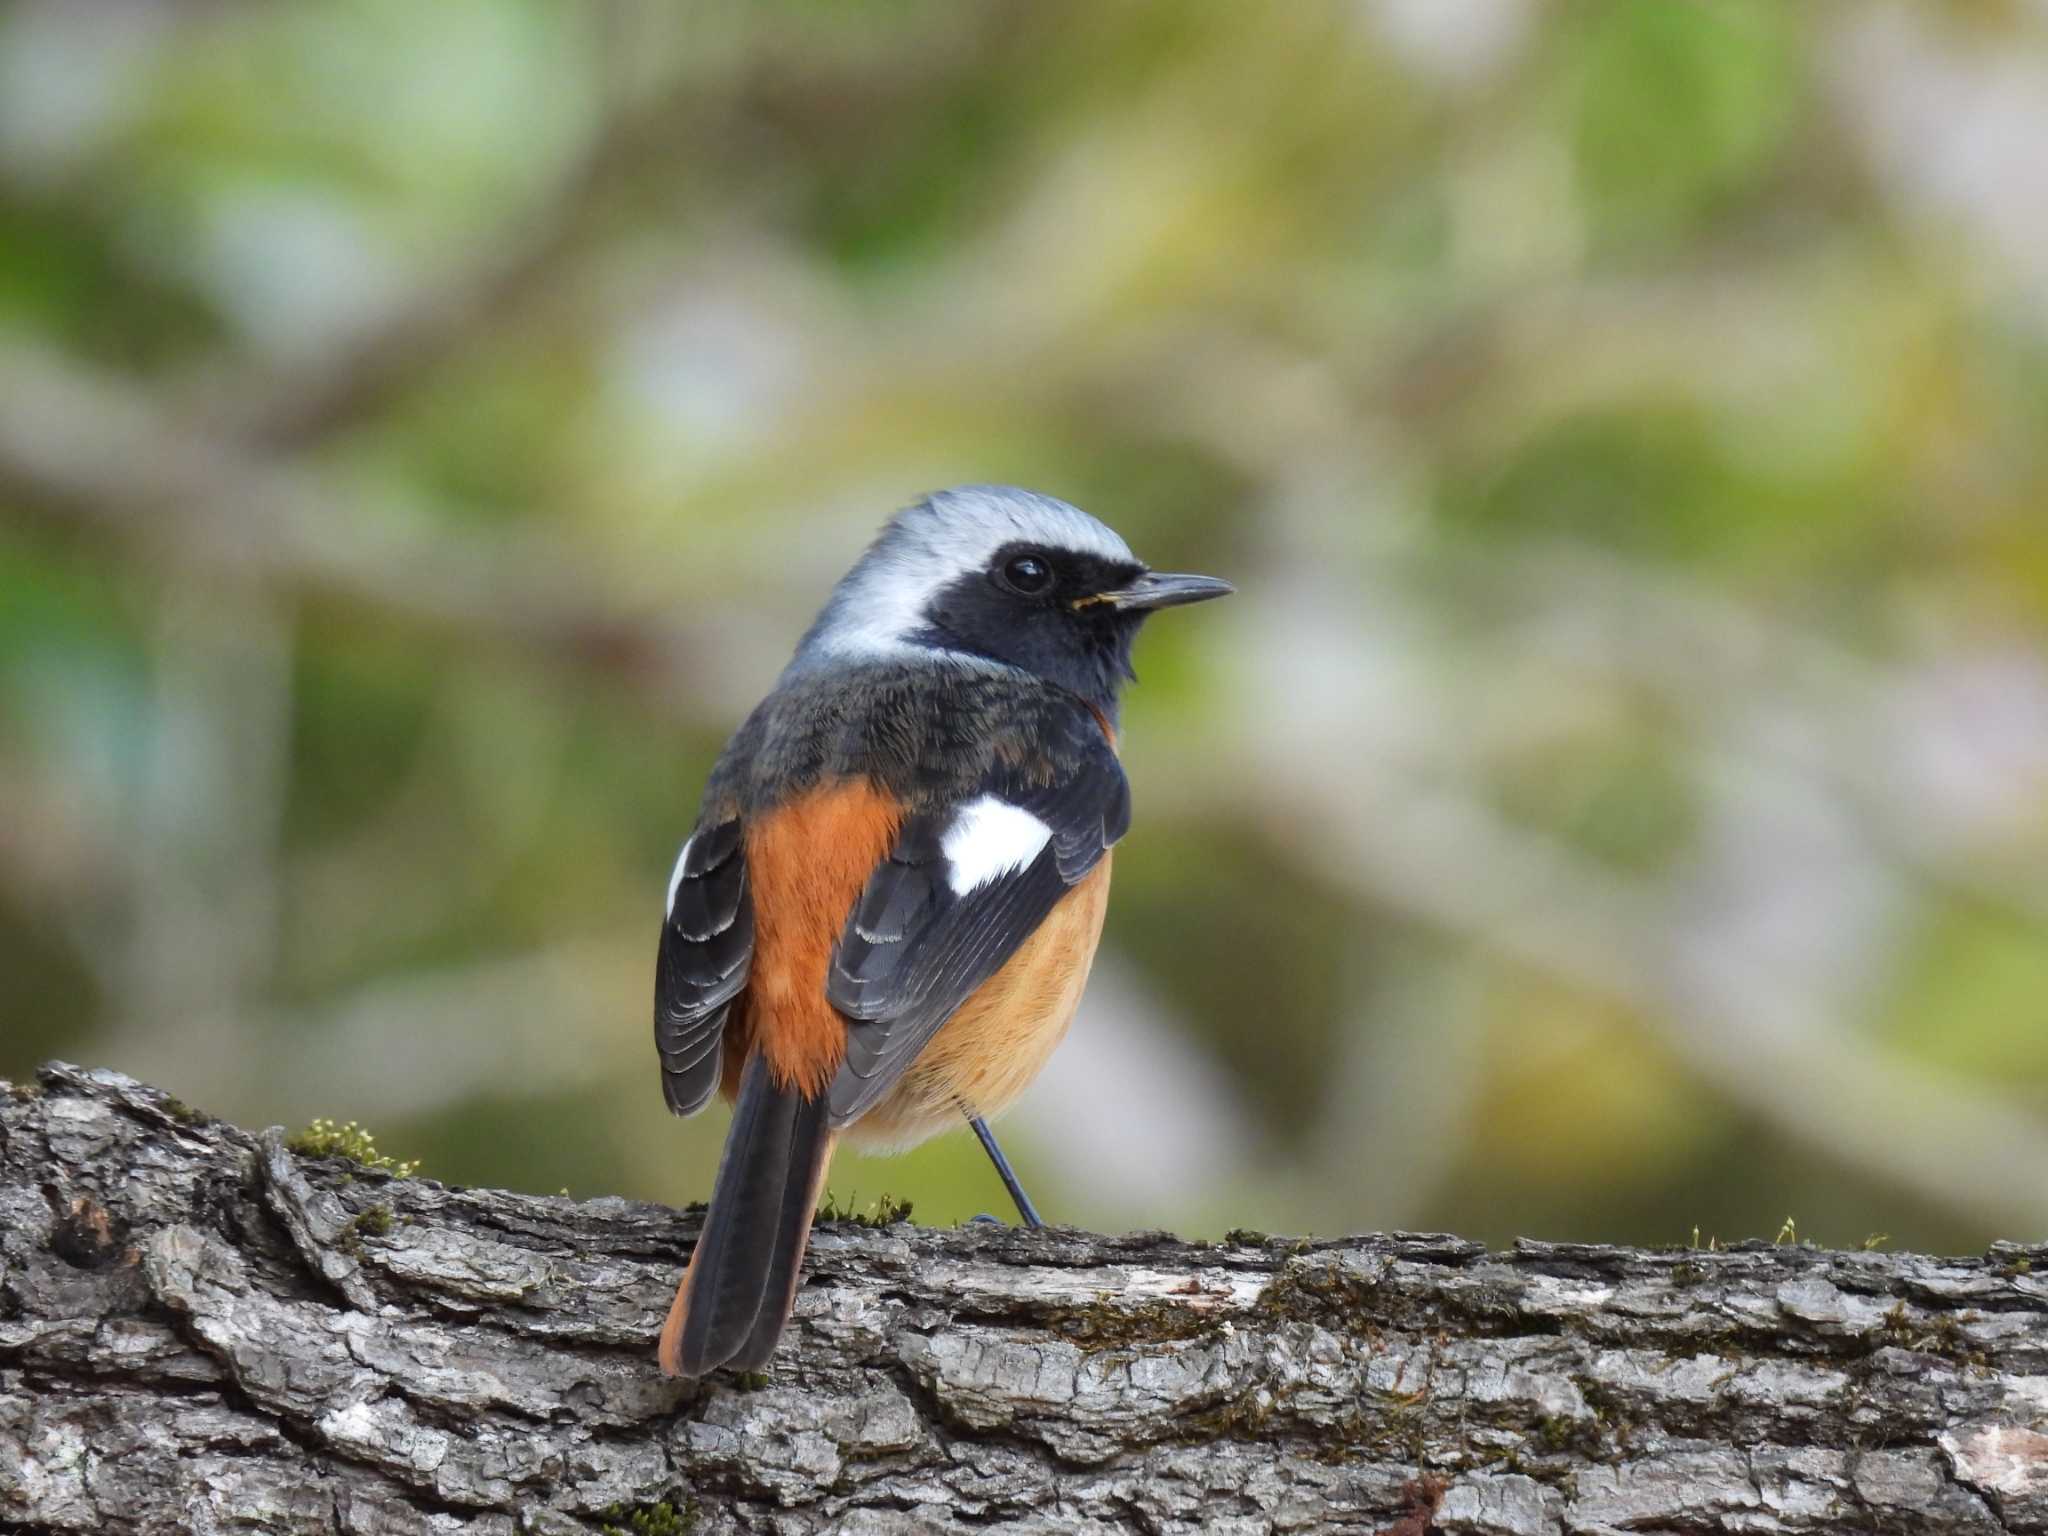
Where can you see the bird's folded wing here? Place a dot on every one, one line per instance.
(965, 885)
(707, 947)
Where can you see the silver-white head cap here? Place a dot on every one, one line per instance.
(880, 605)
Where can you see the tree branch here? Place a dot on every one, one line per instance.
(201, 1330)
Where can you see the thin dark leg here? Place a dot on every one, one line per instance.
(995, 1155)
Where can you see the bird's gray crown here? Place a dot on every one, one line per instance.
(880, 604)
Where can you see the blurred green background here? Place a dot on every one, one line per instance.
(1615, 806)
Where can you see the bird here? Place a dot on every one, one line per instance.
(882, 920)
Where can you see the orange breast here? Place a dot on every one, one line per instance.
(995, 1044)
(807, 861)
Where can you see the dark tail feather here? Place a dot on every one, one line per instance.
(807, 1166)
(736, 1294)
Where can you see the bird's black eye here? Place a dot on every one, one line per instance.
(1030, 575)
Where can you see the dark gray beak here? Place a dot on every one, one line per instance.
(1157, 589)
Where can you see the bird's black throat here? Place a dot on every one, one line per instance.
(1084, 647)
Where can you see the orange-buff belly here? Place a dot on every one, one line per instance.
(994, 1045)
(807, 862)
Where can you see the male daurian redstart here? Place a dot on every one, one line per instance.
(885, 915)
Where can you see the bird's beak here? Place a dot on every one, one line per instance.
(1158, 589)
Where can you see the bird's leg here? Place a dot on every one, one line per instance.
(1025, 1208)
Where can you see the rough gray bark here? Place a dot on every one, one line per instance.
(201, 1331)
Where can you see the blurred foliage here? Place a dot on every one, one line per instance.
(1616, 804)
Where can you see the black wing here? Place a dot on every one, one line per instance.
(961, 890)
(707, 946)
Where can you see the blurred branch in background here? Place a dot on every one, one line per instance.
(1618, 802)
(80, 446)
(641, 124)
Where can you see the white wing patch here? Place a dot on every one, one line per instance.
(990, 838)
(676, 878)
